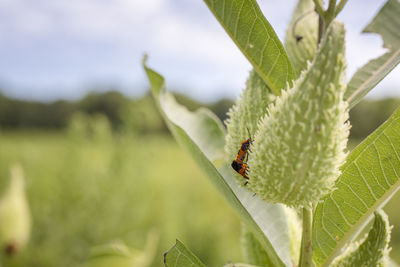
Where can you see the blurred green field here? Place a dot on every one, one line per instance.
(87, 192)
(84, 192)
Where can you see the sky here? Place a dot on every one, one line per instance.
(62, 49)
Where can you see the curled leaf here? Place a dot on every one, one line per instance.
(373, 250)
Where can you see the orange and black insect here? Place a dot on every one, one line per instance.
(238, 164)
(241, 168)
(244, 148)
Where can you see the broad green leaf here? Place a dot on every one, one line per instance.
(370, 176)
(266, 221)
(387, 24)
(180, 256)
(252, 33)
(373, 250)
(302, 35)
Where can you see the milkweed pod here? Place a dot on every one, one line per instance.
(14, 214)
(243, 117)
(300, 143)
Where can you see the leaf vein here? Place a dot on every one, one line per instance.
(262, 51)
(365, 181)
(391, 144)
(238, 18)
(351, 189)
(382, 169)
(341, 212)
(250, 32)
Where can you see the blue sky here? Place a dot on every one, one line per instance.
(62, 49)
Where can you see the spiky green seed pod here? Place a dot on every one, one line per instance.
(14, 214)
(300, 143)
(246, 113)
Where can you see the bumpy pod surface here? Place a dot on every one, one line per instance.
(300, 143)
(245, 114)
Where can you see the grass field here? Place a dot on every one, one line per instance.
(86, 193)
(83, 193)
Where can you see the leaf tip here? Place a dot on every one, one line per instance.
(144, 60)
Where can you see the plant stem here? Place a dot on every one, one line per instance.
(306, 239)
(320, 28)
(340, 6)
(321, 17)
(319, 8)
(330, 13)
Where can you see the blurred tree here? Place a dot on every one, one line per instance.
(142, 117)
(221, 108)
(109, 103)
(369, 114)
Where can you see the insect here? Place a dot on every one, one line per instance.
(238, 164)
(244, 148)
(241, 168)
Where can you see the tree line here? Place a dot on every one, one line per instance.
(140, 114)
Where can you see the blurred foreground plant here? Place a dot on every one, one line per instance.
(14, 214)
(119, 255)
(295, 108)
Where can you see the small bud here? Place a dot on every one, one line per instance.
(14, 214)
(300, 143)
(302, 35)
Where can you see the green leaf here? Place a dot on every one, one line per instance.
(302, 35)
(266, 221)
(252, 33)
(370, 176)
(180, 256)
(372, 250)
(387, 24)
